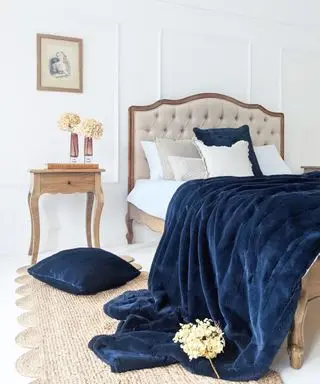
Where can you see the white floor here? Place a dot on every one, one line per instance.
(309, 374)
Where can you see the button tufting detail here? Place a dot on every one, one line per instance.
(265, 119)
(250, 118)
(258, 132)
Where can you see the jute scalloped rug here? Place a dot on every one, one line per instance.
(58, 328)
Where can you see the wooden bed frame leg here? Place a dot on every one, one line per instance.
(129, 223)
(296, 334)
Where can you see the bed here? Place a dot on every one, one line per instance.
(176, 119)
(148, 200)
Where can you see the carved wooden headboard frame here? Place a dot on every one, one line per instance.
(177, 118)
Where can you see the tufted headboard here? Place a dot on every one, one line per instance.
(176, 119)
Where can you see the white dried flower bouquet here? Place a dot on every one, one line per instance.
(69, 121)
(202, 339)
(91, 128)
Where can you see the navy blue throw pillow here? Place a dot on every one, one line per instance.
(226, 137)
(84, 271)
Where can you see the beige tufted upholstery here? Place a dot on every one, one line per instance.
(176, 119)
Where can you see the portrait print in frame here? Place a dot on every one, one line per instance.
(59, 63)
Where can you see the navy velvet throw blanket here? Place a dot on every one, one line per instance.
(234, 250)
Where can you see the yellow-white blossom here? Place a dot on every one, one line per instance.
(91, 128)
(68, 121)
(202, 339)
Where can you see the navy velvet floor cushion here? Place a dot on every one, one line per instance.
(226, 137)
(84, 271)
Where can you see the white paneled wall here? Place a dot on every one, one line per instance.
(193, 63)
(297, 12)
(301, 93)
(266, 75)
(135, 52)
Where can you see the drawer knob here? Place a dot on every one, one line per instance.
(69, 182)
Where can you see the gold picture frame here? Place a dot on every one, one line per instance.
(59, 63)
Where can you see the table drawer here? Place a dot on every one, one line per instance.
(70, 183)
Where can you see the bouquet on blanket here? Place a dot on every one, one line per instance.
(234, 250)
(201, 340)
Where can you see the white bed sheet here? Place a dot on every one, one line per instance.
(153, 196)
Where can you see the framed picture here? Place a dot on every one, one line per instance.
(59, 63)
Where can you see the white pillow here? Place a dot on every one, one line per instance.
(270, 161)
(187, 168)
(226, 161)
(151, 151)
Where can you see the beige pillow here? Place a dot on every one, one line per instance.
(169, 147)
(188, 168)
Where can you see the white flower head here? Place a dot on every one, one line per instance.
(91, 128)
(202, 339)
(69, 121)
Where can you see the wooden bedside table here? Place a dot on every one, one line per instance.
(310, 168)
(66, 181)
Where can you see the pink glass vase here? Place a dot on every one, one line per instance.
(88, 150)
(74, 148)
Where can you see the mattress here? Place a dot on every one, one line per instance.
(153, 196)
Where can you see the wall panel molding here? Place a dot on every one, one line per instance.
(193, 62)
(117, 105)
(249, 90)
(160, 66)
(301, 17)
(281, 50)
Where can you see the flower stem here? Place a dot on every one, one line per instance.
(215, 371)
